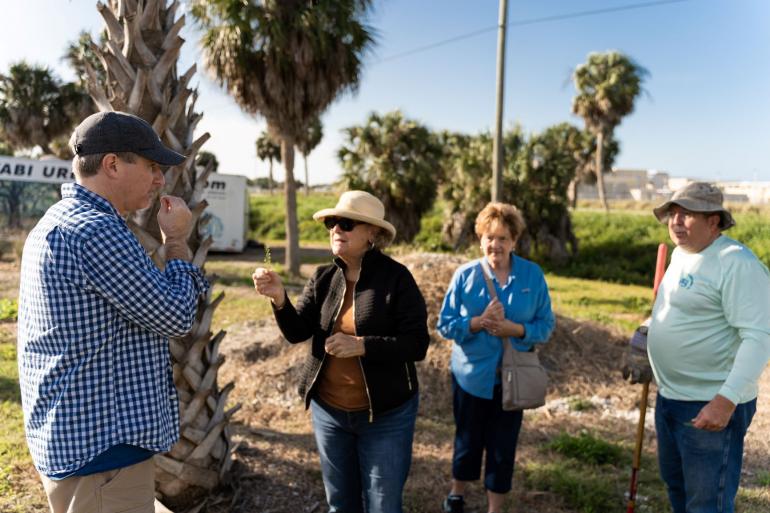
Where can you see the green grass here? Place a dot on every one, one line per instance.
(591, 475)
(9, 309)
(14, 457)
(580, 488)
(588, 448)
(580, 404)
(268, 214)
(611, 304)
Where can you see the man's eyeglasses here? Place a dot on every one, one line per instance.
(344, 223)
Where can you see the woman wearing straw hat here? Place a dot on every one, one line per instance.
(368, 324)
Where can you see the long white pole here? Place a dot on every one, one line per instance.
(497, 147)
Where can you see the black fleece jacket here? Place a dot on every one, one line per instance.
(389, 312)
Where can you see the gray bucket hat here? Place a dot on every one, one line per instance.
(697, 197)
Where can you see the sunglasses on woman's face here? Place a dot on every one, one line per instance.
(344, 223)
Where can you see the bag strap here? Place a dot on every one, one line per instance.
(507, 345)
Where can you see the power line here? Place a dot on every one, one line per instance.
(532, 21)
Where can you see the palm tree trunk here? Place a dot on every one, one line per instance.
(13, 202)
(140, 60)
(572, 192)
(307, 182)
(600, 170)
(270, 183)
(290, 189)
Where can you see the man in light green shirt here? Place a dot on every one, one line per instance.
(708, 343)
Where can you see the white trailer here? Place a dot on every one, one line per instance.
(228, 212)
(227, 196)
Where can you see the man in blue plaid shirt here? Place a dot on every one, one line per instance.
(95, 315)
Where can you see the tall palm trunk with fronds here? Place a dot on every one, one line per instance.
(607, 87)
(139, 57)
(599, 166)
(286, 61)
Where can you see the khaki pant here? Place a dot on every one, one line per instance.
(123, 490)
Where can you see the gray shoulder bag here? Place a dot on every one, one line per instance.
(524, 379)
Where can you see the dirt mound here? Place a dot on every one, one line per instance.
(582, 358)
(276, 467)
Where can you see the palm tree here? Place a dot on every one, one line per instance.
(206, 157)
(36, 107)
(286, 60)
(10, 195)
(305, 145)
(139, 60)
(399, 161)
(539, 177)
(83, 50)
(467, 164)
(585, 154)
(608, 85)
(268, 150)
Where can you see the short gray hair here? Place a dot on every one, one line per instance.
(88, 165)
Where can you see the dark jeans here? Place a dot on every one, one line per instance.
(364, 465)
(701, 469)
(482, 425)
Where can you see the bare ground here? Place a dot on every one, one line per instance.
(277, 470)
(277, 466)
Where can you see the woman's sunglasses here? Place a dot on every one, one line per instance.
(344, 223)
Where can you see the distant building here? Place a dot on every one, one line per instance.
(751, 192)
(629, 184)
(655, 185)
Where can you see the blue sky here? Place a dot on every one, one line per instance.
(706, 113)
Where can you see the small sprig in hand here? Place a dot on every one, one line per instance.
(268, 283)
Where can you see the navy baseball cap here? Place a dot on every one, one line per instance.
(112, 132)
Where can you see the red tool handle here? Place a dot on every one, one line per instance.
(660, 269)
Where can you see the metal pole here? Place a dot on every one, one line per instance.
(497, 147)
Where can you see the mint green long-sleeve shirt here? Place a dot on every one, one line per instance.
(710, 329)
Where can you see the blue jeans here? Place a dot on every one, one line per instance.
(364, 465)
(701, 469)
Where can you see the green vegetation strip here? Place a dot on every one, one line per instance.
(618, 247)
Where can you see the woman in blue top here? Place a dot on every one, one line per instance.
(521, 312)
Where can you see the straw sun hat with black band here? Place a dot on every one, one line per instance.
(359, 206)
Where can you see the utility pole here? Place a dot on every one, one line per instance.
(497, 146)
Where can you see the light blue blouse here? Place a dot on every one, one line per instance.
(525, 299)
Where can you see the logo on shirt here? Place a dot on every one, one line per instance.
(686, 281)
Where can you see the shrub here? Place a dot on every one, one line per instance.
(622, 246)
(398, 160)
(430, 238)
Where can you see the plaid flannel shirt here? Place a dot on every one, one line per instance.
(95, 315)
